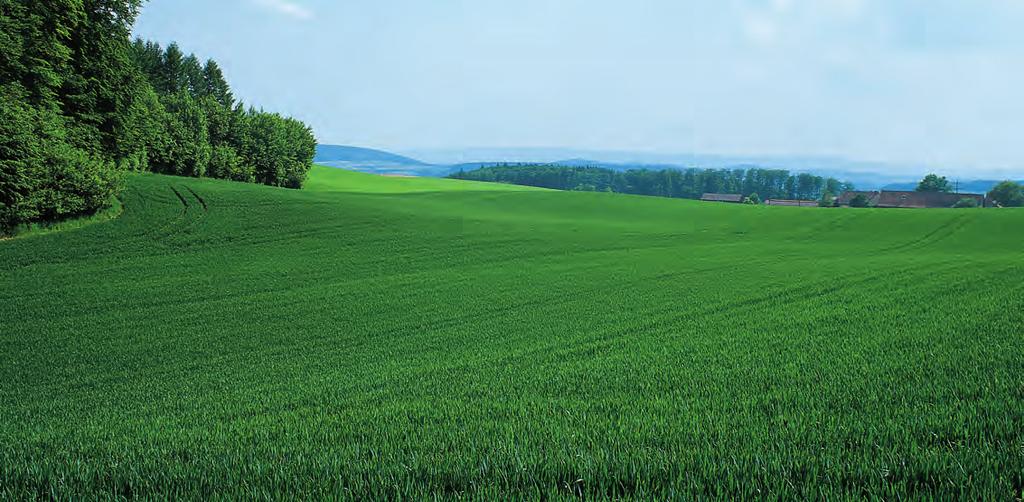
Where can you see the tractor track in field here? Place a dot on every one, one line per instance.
(155, 233)
(943, 232)
(191, 218)
(557, 352)
(660, 324)
(202, 201)
(181, 224)
(550, 298)
(559, 298)
(789, 296)
(821, 289)
(181, 198)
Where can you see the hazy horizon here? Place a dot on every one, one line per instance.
(929, 84)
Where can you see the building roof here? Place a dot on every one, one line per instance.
(795, 203)
(722, 197)
(924, 199)
(845, 198)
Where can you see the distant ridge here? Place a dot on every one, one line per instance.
(368, 160)
(341, 153)
(969, 186)
(864, 175)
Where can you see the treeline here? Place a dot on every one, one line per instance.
(194, 126)
(81, 104)
(680, 183)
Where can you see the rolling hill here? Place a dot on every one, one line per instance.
(970, 186)
(384, 338)
(335, 153)
(371, 161)
(865, 176)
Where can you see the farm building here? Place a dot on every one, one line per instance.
(793, 203)
(907, 199)
(722, 197)
(922, 200)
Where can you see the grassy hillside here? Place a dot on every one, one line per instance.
(376, 337)
(324, 179)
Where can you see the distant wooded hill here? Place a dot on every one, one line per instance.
(677, 183)
(373, 161)
(970, 186)
(329, 153)
(382, 162)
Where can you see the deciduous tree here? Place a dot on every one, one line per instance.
(934, 183)
(1007, 194)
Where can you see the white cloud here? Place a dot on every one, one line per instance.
(287, 8)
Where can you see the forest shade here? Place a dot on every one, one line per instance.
(81, 105)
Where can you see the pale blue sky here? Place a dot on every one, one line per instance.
(931, 82)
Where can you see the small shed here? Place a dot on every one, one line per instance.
(733, 198)
(791, 203)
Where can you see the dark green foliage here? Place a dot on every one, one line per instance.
(301, 147)
(679, 183)
(74, 183)
(279, 149)
(145, 140)
(934, 183)
(834, 186)
(753, 198)
(42, 177)
(208, 134)
(226, 164)
(34, 52)
(192, 76)
(965, 203)
(188, 147)
(264, 143)
(66, 82)
(859, 200)
(149, 58)
(215, 86)
(81, 104)
(102, 80)
(24, 131)
(1008, 194)
(169, 78)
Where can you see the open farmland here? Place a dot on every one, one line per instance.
(374, 337)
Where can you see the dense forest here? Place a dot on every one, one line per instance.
(680, 183)
(81, 105)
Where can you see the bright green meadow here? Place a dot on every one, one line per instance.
(387, 338)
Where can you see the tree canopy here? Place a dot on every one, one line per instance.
(1008, 194)
(680, 183)
(81, 104)
(934, 183)
(860, 200)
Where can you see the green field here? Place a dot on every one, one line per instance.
(373, 337)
